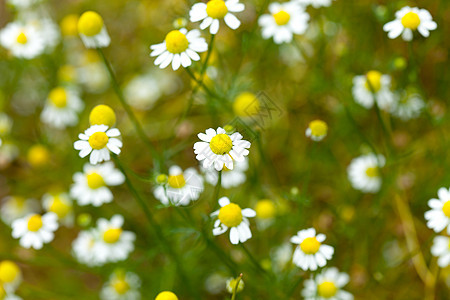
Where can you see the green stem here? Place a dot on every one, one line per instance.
(217, 188)
(202, 84)
(233, 296)
(253, 259)
(205, 64)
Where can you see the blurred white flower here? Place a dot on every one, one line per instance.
(24, 40)
(376, 83)
(327, 285)
(62, 108)
(35, 230)
(230, 178)
(315, 3)
(317, 130)
(15, 207)
(121, 286)
(441, 249)
(364, 173)
(61, 205)
(92, 30)
(438, 216)
(10, 276)
(407, 106)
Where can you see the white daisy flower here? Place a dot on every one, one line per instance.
(230, 215)
(215, 10)
(49, 30)
(83, 248)
(15, 207)
(407, 20)
(230, 178)
(141, 92)
(23, 40)
(91, 186)
(284, 20)
(310, 253)
(62, 107)
(181, 188)
(315, 3)
(22, 3)
(220, 149)
(35, 230)
(92, 30)
(438, 216)
(121, 286)
(61, 205)
(379, 83)
(99, 140)
(327, 286)
(408, 106)
(10, 276)
(317, 130)
(180, 47)
(364, 173)
(441, 249)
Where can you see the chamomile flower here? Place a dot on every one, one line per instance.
(23, 40)
(215, 10)
(373, 84)
(97, 141)
(317, 130)
(220, 149)
(364, 173)
(441, 249)
(84, 246)
(327, 286)
(409, 19)
(246, 104)
(121, 286)
(231, 285)
(62, 108)
(91, 186)
(166, 295)
(438, 216)
(35, 230)
(181, 188)
(92, 30)
(230, 215)
(61, 205)
(10, 276)
(16, 207)
(180, 47)
(408, 106)
(315, 3)
(230, 178)
(311, 252)
(284, 20)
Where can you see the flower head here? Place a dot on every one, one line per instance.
(61, 205)
(327, 286)
(10, 275)
(121, 285)
(373, 84)
(311, 252)
(317, 130)
(62, 107)
(92, 30)
(166, 295)
(35, 230)
(438, 216)
(102, 115)
(364, 172)
(23, 40)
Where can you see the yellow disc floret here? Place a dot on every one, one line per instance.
(265, 209)
(221, 144)
(166, 296)
(90, 24)
(230, 215)
(58, 97)
(9, 271)
(327, 289)
(38, 156)
(112, 235)
(318, 128)
(281, 18)
(372, 172)
(60, 207)
(102, 115)
(121, 286)
(310, 245)
(446, 209)
(94, 180)
(216, 9)
(98, 140)
(373, 81)
(176, 42)
(176, 181)
(411, 20)
(69, 25)
(22, 38)
(34, 223)
(246, 104)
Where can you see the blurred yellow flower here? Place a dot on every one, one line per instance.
(38, 156)
(166, 296)
(246, 104)
(102, 115)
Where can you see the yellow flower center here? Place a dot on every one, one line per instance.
(372, 172)
(411, 20)
(58, 97)
(94, 180)
(265, 209)
(446, 209)
(22, 38)
(166, 296)
(69, 25)
(176, 42)
(176, 181)
(121, 286)
(373, 81)
(281, 18)
(98, 140)
(161, 178)
(38, 156)
(9, 271)
(327, 289)
(246, 104)
(318, 128)
(112, 235)
(34, 223)
(221, 144)
(230, 215)
(90, 23)
(59, 207)
(216, 9)
(310, 245)
(102, 115)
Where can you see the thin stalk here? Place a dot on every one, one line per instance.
(233, 296)
(202, 84)
(217, 188)
(253, 259)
